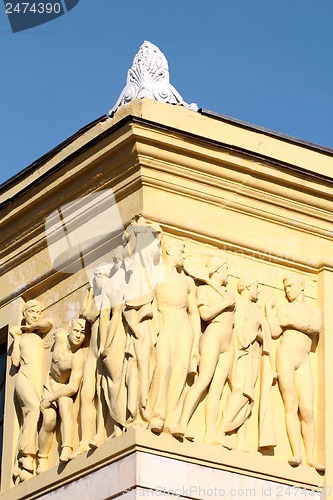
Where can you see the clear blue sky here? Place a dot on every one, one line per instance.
(262, 61)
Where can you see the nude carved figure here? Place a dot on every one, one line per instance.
(62, 383)
(216, 307)
(296, 322)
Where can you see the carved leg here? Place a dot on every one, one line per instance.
(29, 402)
(100, 435)
(160, 383)
(214, 398)
(87, 411)
(304, 381)
(242, 444)
(178, 376)
(287, 386)
(66, 428)
(142, 351)
(191, 402)
(45, 438)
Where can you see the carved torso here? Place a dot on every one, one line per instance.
(172, 293)
(221, 326)
(31, 348)
(61, 362)
(295, 338)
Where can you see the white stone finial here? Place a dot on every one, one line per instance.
(149, 77)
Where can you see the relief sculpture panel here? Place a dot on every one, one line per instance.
(172, 340)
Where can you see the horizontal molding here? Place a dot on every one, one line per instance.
(174, 188)
(248, 251)
(247, 153)
(141, 440)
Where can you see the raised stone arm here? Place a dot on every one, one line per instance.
(104, 320)
(89, 308)
(272, 319)
(15, 333)
(130, 236)
(43, 326)
(209, 312)
(287, 319)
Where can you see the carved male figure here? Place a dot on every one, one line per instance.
(62, 383)
(216, 307)
(177, 348)
(297, 322)
(28, 355)
(252, 349)
(91, 385)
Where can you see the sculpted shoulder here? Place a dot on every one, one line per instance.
(191, 283)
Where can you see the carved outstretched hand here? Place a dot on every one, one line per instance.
(45, 404)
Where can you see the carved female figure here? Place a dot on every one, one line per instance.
(177, 348)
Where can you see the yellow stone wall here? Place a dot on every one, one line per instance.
(265, 200)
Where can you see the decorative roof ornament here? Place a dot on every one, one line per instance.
(149, 77)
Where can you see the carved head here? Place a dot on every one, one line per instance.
(173, 251)
(249, 285)
(31, 311)
(217, 265)
(77, 332)
(293, 286)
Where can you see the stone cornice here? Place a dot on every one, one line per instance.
(136, 112)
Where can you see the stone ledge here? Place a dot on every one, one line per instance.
(142, 443)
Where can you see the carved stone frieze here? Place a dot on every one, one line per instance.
(166, 331)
